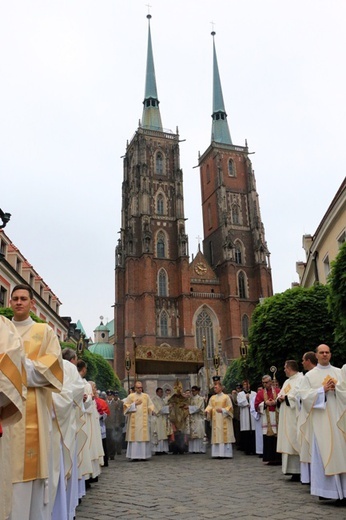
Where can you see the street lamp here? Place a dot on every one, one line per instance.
(205, 357)
(128, 365)
(5, 217)
(216, 359)
(134, 352)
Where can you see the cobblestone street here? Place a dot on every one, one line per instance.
(195, 487)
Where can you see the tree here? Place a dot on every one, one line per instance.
(8, 312)
(287, 325)
(337, 299)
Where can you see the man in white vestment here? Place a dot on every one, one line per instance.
(159, 420)
(287, 443)
(77, 386)
(138, 407)
(309, 361)
(12, 392)
(245, 399)
(30, 437)
(197, 422)
(321, 400)
(220, 412)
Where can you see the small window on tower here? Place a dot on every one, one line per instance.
(160, 205)
(231, 168)
(159, 164)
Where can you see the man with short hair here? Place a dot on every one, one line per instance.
(31, 436)
(220, 412)
(197, 422)
(320, 400)
(159, 438)
(288, 401)
(138, 407)
(245, 399)
(265, 404)
(309, 361)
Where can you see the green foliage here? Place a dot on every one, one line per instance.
(8, 312)
(287, 325)
(235, 373)
(100, 371)
(337, 297)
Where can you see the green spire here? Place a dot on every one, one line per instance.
(219, 130)
(151, 117)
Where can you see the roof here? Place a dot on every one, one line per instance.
(104, 349)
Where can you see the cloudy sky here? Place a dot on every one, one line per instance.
(71, 91)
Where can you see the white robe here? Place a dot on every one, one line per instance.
(328, 450)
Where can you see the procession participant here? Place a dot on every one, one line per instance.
(219, 411)
(30, 440)
(265, 404)
(114, 424)
(320, 400)
(245, 399)
(287, 443)
(77, 385)
(197, 422)
(96, 448)
(159, 438)
(138, 407)
(309, 361)
(103, 412)
(12, 392)
(258, 426)
(85, 465)
(236, 414)
(178, 414)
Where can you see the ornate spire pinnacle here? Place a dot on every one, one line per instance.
(151, 117)
(219, 131)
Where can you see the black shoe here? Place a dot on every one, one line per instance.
(295, 477)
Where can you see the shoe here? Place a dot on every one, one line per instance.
(295, 477)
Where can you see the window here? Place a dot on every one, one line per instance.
(237, 255)
(326, 266)
(241, 285)
(3, 296)
(204, 329)
(159, 164)
(210, 220)
(245, 326)
(160, 205)
(208, 173)
(342, 238)
(231, 168)
(163, 324)
(161, 249)
(162, 283)
(235, 214)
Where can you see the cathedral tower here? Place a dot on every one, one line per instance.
(234, 242)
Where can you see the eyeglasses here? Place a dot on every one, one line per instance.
(139, 388)
(265, 382)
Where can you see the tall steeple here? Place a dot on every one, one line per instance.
(219, 130)
(151, 118)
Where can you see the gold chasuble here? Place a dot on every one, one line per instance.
(222, 425)
(12, 392)
(30, 436)
(138, 420)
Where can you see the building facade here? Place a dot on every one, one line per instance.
(162, 299)
(322, 247)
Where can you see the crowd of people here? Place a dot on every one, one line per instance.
(57, 430)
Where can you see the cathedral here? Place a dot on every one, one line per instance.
(176, 315)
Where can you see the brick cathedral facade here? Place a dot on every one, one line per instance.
(161, 297)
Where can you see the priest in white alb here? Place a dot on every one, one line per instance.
(138, 407)
(220, 413)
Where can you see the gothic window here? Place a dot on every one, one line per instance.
(163, 324)
(210, 221)
(159, 164)
(245, 326)
(160, 204)
(211, 253)
(208, 173)
(242, 285)
(162, 283)
(161, 245)
(204, 329)
(231, 168)
(238, 253)
(235, 214)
